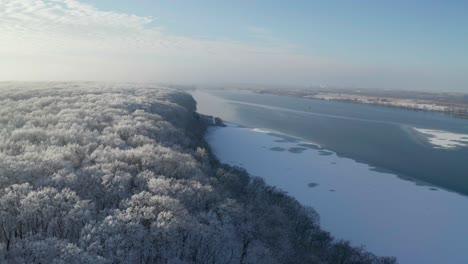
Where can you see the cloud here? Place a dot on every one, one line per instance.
(66, 39)
(62, 40)
(61, 25)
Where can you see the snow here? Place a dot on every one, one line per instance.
(390, 216)
(444, 139)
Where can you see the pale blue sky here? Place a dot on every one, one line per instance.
(416, 32)
(381, 44)
(429, 35)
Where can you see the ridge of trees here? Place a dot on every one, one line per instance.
(100, 173)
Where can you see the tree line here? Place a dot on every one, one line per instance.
(120, 173)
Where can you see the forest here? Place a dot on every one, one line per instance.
(120, 173)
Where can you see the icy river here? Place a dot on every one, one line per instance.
(390, 214)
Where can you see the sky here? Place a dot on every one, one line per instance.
(416, 45)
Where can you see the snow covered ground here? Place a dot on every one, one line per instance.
(444, 139)
(416, 223)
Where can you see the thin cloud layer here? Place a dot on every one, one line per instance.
(65, 39)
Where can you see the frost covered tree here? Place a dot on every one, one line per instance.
(120, 173)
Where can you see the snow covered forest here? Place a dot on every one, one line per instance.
(120, 173)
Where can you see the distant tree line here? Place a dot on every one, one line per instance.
(121, 174)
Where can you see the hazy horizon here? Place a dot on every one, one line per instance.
(403, 46)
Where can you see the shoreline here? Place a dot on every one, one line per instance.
(422, 142)
(380, 169)
(418, 106)
(352, 184)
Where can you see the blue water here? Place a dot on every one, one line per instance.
(379, 136)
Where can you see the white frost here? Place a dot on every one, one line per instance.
(388, 215)
(444, 139)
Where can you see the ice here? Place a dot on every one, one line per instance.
(390, 216)
(444, 139)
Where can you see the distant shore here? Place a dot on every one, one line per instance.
(451, 104)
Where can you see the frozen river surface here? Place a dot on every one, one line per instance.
(415, 222)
